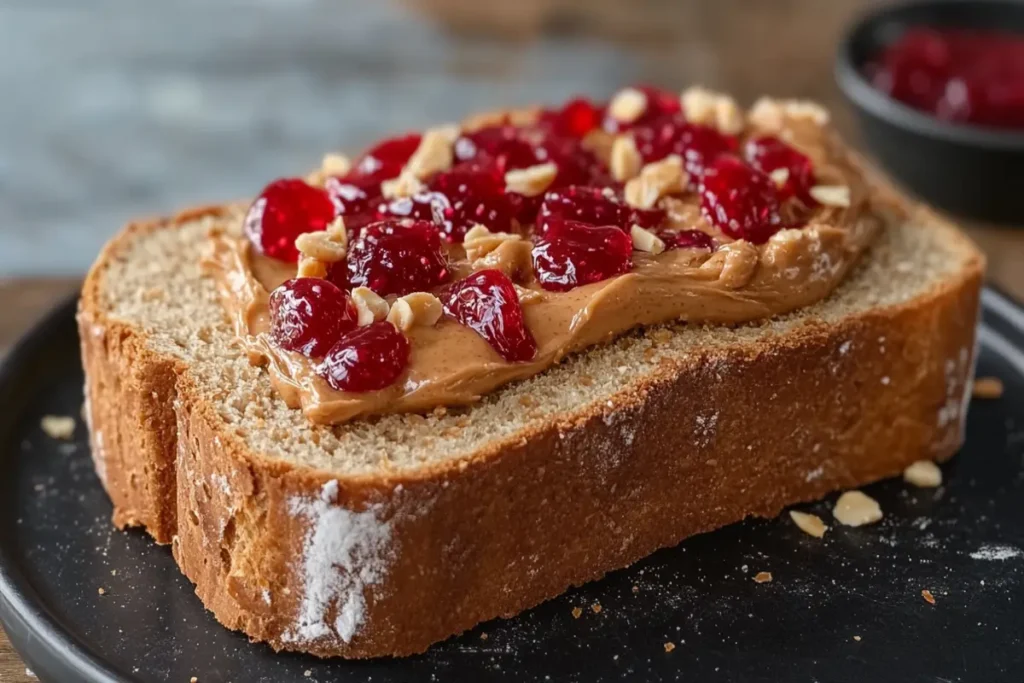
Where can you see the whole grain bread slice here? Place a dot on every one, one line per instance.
(382, 537)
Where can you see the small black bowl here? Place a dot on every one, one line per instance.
(974, 171)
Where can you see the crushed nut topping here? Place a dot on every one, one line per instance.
(331, 165)
(655, 181)
(480, 241)
(763, 577)
(645, 240)
(831, 195)
(808, 523)
(710, 108)
(405, 185)
(329, 246)
(988, 387)
(625, 161)
(770, 115)
(371, 308)
(58, 426)
(418, 308)
(628, 105)
(434, 153)
(779, 176)
(923, 474)
(855, 508)
(531, 181)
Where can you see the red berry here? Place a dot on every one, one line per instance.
(660, 103)
(595, 206)
(394, 258)
(571, 254)
(487, 302)
(769, 154)
(502, 145)
(575, 119)
(697, 145)
(386, 159)
(284, 210)
(686, 239)
(740, 200)
(355, 198)
(366, 359)
(576, 165)
(471, 194)
(308, 315)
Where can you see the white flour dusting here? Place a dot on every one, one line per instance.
(344, 553)
(997, 552)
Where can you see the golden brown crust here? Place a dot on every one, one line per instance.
(474, 539)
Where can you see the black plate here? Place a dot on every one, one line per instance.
(848, 608)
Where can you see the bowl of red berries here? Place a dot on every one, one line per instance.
(939, 90)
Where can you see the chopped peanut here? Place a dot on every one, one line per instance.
(418, 308)
(625, 162)
(531, 181)
(645, 240)
(655, 181)
(628, 105)
(370, 307)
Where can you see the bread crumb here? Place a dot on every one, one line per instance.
(113, 572)
(58, 426)
(636, 589)
(101, 591)
(596, 608)
(857, 638)
(577, 612)
(483, 636)
(669, 646)
(923, 474)
(808, 523)
(586, 380)
(763, 577)
(307, 673)
(988, 387)
(928, 597)
(855, 508)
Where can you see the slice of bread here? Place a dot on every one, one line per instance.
(382, 537)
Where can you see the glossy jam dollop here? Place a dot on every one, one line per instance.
(285, 209)
(740, 200)
(595, 206)
(385, 159)
(570, 254)
(391, 257)
(487, 303)
(956, 75)
(768, 154)
(308, 315)
(366, 359)
(697, 145)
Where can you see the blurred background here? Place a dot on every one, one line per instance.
(112, 109)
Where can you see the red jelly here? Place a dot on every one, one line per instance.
(740, 200)
(386, 159)
(394, 258)
(487, 302)
(660, 103)
(769, 154)
(595, 206)
(697, 145)
(571, 254)
(470, 194)
(284, 210)
(502, 145)
(355, 199)
(686, 239)
(308, 315)
(576, 118)
(958, 75)
(366, 359)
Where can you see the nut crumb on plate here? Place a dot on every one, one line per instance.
(596, 608)
(923, 473)
(857, 638)
(808, 523)
(763, 577)
(987, 387)
(669, 646)
(577, 612)
(58, 426)
(928, 597)
(101, 591)
(855, 508)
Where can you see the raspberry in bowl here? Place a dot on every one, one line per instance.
(938, 88)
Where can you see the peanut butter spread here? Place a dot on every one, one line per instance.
(735, 282)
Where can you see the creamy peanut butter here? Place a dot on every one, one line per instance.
(451, 365)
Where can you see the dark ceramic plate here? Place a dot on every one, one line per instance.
(848, 608)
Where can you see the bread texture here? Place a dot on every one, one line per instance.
(381, 537)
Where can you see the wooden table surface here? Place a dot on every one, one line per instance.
(700, 42)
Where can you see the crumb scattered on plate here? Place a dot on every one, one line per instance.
(857, 638)
(762, 577)
(596, 608)
(576, 612)
(923, 474)
(58, 426)
(927, 595)
(988, 387)
(102, 591)
(669, 646)
(808, 523)
(855, 508)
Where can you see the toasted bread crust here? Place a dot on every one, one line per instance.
(528, 517)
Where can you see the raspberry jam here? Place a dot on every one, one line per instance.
(503, 146)
(385, 159)
(660, 104)
(957, 75)
(487, 303)
(575, 119)
(391, 257)
(697, 145)
(284, 210)
(595, 206)
(469, 194)
(571, 254)
(355, 199)
(686, 239)
(768, 154)
(740, 200)
(308, 315)
(366, 359)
